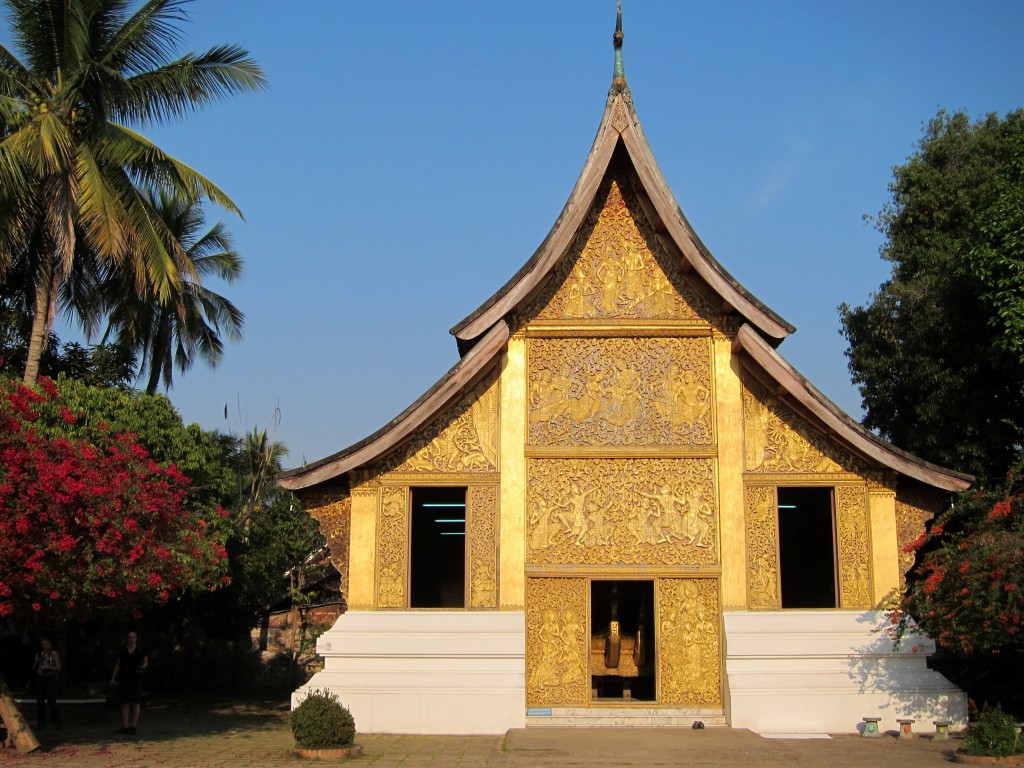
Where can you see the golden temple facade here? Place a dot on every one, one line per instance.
(619, 463)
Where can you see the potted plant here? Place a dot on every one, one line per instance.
(323, 727)
(993, 740)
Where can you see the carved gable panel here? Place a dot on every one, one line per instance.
(616, 392)
(463, 437)
(621, 511)
(776, 439)
(689, 643)
(556, 642)
(617, 270)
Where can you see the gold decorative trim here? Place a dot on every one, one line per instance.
(827, 479)
(557, 639)
(854, 554)
(334, 515)
(611, 329)
(762, 530)
(641, 451)
(626, 571)
(689, 643)
(482, 538)
(393, 548)
(439, 479)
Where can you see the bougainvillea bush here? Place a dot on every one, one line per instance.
(88, 519)
(965, 589)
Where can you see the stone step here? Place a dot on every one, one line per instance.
(636, 717)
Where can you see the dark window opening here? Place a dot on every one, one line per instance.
(622, 644)
(807, 550)
(437, 566)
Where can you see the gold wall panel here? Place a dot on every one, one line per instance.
(557, 641)
(482, 538)
(334, 515)
(854, 554)
(620, 392)
(778, 440)
(393, 547)
(762, 548)
(689, 643)
(463, 438)
(621, 511)
(913, 511)
(617, 269)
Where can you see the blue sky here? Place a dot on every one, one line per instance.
(408, 157)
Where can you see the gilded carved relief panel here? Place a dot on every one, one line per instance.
(854, 552)
(778, 440)
(913, 511)
(762, 548)
(392, 547)
(556, 643)
(463, 438)
(482, 535)
(621, 511)
(334, 515)
(620, 392)
(689, 643)
(617, 269)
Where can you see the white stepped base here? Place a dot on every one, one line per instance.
(824, 671)
(444, 672)
(636, 717)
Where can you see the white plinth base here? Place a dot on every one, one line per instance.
(445, 672)
(823, 671)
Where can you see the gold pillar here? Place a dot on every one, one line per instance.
(729, 433)
(512, 539)
(885, 554)
(363, 548)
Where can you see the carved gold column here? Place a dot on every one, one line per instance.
(885, 561)
(854, 550)
(512, 537)
(363, 548)
(393, 547)
(689, 643)
(557, 643)
(729, 408)
(481, 536)
(762, 534)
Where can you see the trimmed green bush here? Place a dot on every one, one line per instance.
(322, 721)
(994, 735)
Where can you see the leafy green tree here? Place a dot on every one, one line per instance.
(71, 168)
(938, 352)
(173, 333)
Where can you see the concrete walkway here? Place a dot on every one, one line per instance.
(174, 735)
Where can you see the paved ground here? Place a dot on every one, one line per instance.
(175, 735)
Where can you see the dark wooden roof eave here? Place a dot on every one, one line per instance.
(835, 420)
(465, 373)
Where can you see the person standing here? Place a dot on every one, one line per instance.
(46, 667)
(131, 663)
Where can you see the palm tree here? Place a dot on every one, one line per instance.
(188, 325)
(72, 171)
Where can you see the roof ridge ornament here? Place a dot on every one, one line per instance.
(619, 76)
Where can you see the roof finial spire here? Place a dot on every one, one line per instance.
(619, 76)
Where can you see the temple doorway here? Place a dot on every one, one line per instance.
(622, 646)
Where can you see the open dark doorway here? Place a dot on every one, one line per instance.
(437, 567)
(622, 643)
(807, 548)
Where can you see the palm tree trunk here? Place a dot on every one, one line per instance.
(17, 729)
(41, 322)
(156, 355)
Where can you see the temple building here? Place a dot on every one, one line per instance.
(622, 506)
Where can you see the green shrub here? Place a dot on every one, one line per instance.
(322, 721)
(993, 735)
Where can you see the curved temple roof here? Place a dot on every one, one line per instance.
(482, 335)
